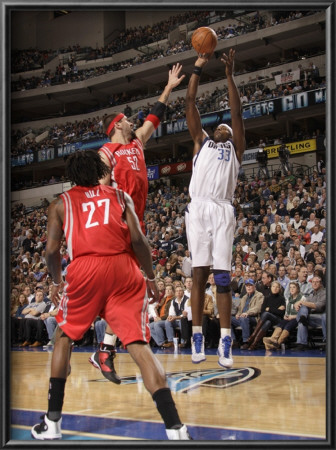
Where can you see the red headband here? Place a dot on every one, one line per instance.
(114, 121)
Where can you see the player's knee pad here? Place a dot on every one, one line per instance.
(222, 281)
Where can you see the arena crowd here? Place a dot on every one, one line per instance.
(280, 229)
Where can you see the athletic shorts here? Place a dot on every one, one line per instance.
(210, 231)
(110, 286)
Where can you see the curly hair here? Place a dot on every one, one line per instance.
(85, 168)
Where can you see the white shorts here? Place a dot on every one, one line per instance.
(210, 231)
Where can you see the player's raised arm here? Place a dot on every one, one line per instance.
(192, 114)
(235, 105)
(155, 116)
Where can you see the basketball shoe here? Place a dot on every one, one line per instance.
(197, 348)
(47, 429)
(180, 434)
(225, 352)
(102, 359)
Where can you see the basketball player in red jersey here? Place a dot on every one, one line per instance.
(103, 237)
(124, 154)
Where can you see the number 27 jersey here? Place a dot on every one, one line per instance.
(93, 222)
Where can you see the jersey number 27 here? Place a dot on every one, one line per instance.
(91, 207)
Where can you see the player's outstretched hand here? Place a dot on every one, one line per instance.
(174, 78)
(202, 59)
(228, 60)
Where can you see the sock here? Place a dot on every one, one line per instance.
(196, 329)
(55, 398)
(110, 339)
(225, 332)
(166, 407)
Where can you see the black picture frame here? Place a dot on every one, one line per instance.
(6, 8)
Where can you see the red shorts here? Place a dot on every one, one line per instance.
(110, 286)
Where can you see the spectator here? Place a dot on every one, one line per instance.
(263, 249)
(16, 316)
(248, 312)
(31, 322)
(317, 235)
(175, 315)
(264, 285)
(157, 327)
(282, 277)
(289, 323)
(311, 312)
(272, 311)
(305, 286)
(167, 245)
(28, 244)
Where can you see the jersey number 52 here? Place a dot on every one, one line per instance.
(133, 160)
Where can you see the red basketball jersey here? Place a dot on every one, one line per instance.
(128, 172)
(93, 223)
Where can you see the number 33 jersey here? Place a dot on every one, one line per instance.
(128, 171)
(93, 221)
(215, 171)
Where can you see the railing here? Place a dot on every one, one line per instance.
(274, 169)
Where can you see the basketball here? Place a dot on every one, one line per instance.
(204, 40)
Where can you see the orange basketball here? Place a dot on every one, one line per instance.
(204, 40)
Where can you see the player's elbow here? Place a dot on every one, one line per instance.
(52, 255)
(137, 241)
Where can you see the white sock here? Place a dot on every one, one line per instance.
(110, 339)
(225, 332)
(196, 329)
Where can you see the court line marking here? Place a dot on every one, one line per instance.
(83, 434)
(314, 436)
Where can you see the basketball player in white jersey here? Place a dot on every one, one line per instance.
(210, 218)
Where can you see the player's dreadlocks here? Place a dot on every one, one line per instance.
(85, 168)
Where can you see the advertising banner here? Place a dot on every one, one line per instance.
(173, 169)
(153, 173)
(46, 154)
(287, 77)
(308, 145)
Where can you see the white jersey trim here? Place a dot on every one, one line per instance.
(68, 229)
(143, 315)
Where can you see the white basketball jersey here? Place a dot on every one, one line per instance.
(215, 171)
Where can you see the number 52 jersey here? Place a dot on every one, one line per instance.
(128, 171)
(93, 222)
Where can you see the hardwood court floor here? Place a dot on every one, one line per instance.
(262, 397)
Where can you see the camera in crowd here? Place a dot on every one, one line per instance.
(262, 157)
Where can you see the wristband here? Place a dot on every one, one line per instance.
(197, 70)
(154, 119)
(56, 284)
(156, 114)
(150, 280)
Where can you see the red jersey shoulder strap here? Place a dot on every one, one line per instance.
(108, 152)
